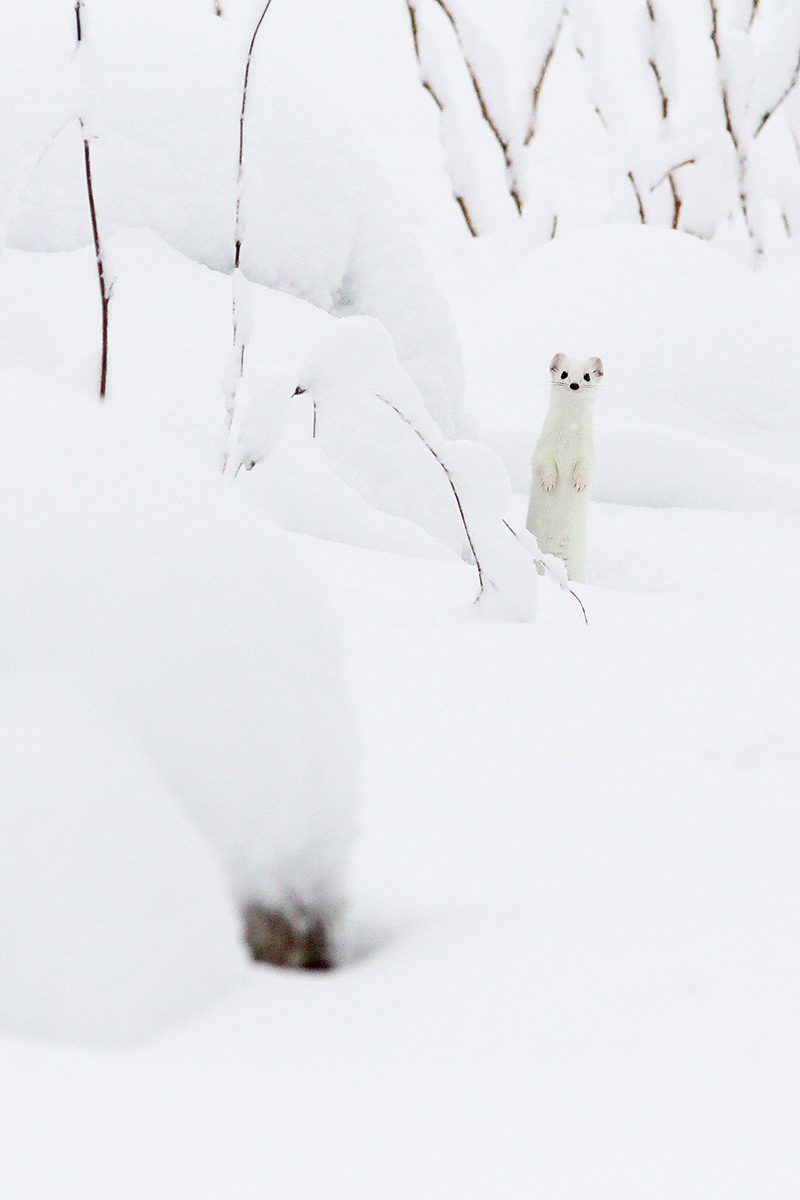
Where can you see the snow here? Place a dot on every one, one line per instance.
(130, 560)
(117, 917)
(568, 952)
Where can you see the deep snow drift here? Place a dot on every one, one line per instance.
(134, 563)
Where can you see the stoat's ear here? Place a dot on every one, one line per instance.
(597, 368)
(558, 362)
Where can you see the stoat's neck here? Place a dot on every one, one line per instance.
(566, 405)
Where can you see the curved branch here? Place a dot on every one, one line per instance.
(446, 470)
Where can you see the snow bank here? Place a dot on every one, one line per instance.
(649, 464)
(132, 560)
(116, 914)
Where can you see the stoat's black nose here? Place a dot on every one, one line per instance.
(574, 386)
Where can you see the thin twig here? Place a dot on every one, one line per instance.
(541, 563)
(779, 102)
(653, 65)
(436, 99)
(412, 14)
(638, 195)
(462, 204)
(686, 163)
(241, 134)
(537, 87)
(449, 477)
(231, 406)
(105, 291)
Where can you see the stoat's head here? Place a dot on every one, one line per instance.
(576, 375)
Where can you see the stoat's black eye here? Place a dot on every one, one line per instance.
(563, 374)
(588, 378)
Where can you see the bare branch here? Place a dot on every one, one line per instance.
(105, 290)
(238, 246)
(542, 568)
(668, 174)
(428, 86)
(412, 14)
(723, 90)
(436, 99)
(787, 92)
(659, 84)
(676, 201)
(638, 195)
(462, 204)
(537, 87)
(231, 395)
(449, 477)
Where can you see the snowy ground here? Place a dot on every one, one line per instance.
(569, 961)
(571, 943)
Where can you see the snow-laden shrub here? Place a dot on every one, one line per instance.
(371, 424)
(134, 562)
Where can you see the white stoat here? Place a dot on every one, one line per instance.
(563, 463)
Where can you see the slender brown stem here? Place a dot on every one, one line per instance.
(105, 294)
(238, 246)
(449, 478)
(105, 291)
(541, 563)
(462, 204)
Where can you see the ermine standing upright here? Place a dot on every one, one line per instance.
(563, 463)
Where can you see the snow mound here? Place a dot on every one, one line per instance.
(648, 464)
(136, 562)
(116, 914)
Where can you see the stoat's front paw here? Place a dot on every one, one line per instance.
(580, 476)
(548, 480)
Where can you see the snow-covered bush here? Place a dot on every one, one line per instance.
(130, 561)
(371, 423)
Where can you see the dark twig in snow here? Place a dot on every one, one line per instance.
(449, 477)
(662, 92)
(543, 568)
(241, 134)
(638, 195)
(105, 289)
(787, 92)
(537, 87)
(238, 219)
(462, 204)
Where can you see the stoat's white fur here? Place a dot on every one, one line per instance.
(563, 463)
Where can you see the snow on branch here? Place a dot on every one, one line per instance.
(460, 153)
(784, 95)
(354, 367)
(536, 92)
(502, 142)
